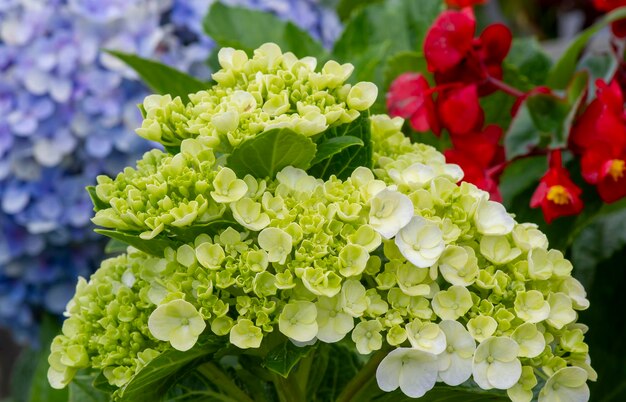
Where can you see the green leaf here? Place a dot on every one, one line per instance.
(153, 246)
(547, 111)
(599, 66)
(334, 146)
(188, 234)
(576, 94)
(599, 240)
(341, 366)
(347, 8)
(153, 380)
(561, 72)
(271, 151)
(343, 163)
(530, 60)
(81, 389)
(247, 29)
(98, 204)
(389, 27)
(522, 135)
(115, 246)
(401, 63)
(607, 325)
(30, 376)
(161, 78)
(284, 357)
(520, 175)
(441, 393)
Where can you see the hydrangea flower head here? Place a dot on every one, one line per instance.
(397, 256)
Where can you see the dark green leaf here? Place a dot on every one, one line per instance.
(547, 111)
(443, 393)
(343, 163)
(599, 66)
(575, 95)
(188, 234)
(152, 381)
(154, 246)
(607, 324)
(347, 8)
(334, 146)
(160, 78)
(404, 62)
(599, 240)
(115, 246)
(561, 72)
(247, 29)
(284, 357)
(98, 204)
(342, 365)
(521, 175)
(530, 60)
(389, 27)
(81, 389)
(269, 152)
(522, 135)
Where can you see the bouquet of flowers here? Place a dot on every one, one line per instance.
(290, 246)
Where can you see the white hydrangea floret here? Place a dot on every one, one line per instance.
(177, 322)
(421, 242)
(390, 211)
(491, 218)
(413, 371)
(496, 364)
(568, 384)
(455, 362)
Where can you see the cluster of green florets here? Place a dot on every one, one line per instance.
(399, 254)
(270, 90)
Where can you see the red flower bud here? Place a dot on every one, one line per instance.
(557, 195)
(410, 97)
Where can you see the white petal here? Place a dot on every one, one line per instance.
(388, 371)
(504, 375)
(460, 370)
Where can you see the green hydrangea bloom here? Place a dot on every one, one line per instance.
(400, 253)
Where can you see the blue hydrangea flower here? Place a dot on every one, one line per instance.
(67, 114)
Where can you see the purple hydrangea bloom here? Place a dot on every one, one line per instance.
(67, 114)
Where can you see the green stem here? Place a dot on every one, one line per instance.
(304, 370)
(540, 374)
(367, 373)
(223, 382)
(288, 390)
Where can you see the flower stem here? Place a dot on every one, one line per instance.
(223, 382)
(504, 87)
(367, 372)
(287, 389)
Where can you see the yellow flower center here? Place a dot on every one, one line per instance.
(616, 170)
(559, 195)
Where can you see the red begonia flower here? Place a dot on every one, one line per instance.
(410, 97)
(459, 110)
(605, 166)
(455, 56)
(449, 39)
(464, 3)
(602, 121)
(481, 157)
(557, 195)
